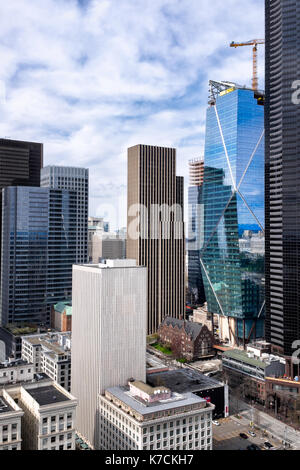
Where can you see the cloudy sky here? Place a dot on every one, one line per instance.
(89, 78)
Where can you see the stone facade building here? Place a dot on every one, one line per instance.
(187, 339)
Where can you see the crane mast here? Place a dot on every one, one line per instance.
(254, 43)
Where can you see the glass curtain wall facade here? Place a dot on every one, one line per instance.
(38, 250)
(73, 179)
(232, 255)
(20, 165)
(196, 220)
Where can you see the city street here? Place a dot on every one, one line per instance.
(227, 436)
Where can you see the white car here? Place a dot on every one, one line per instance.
(216, 423)
(252, 433)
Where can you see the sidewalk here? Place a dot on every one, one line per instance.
(274, 427)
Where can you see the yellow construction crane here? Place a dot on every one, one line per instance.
(254, 43)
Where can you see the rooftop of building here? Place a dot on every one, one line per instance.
(192, 329)
(242, 356)
(23, 329)
(148, 388)
(110, 263)
(64, 306)
(49, 342)
(63, 168)
(145, 408)
(285, 380)
(15, 363)
(182, 380)
(221, 88)
(4, 406)
(47, 395)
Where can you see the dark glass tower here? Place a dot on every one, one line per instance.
(20, 165)
(282, 175)
(196, 220)
(38, 251)
(232, 255)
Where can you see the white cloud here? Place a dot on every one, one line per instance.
(89, 82)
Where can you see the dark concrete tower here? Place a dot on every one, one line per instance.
(155, 230)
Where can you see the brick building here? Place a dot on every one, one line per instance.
(187, 339)
(61, 318)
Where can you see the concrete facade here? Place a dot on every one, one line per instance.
(155, 229)
(109, 334)
(10, 423)
(49, 414)
(182, 422)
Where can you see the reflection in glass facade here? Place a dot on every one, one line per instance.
(195, 281)
(232, 255)
(39, 248)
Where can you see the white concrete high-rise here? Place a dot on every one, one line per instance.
(109, 318)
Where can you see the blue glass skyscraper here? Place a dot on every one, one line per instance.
(232, 255)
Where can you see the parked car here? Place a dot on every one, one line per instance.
(216, 423)
(243, 435)
(253, 447)
(252, 433)
(268, 445)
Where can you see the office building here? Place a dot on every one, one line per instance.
(141, 417)
(98, 223)
(14, 371)
(10, 423)
(282, 121)
(51, 354)
(109, 305)
(155, 229)
(186, 380)
(11, 337)
(20, 165)
(39, 248)
(104, 245)
(233, 198)
(195, 232)
(49, 414)
(75, 180)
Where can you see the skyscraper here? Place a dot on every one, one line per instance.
(38, 251)
(155, 229)
(73, 179)
(232, 255)
(20, 165)
(109, 308)
(282, 124)
(196, 221)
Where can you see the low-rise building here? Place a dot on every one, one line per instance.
(185, 380)
(51, 354)
(283, 397)
(187, 339)
(10, 423)
(153, 418)
(11, 335)
(16, 371)
(246, 371)
(61, 316)
(49, 414)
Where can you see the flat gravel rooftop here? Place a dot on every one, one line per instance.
(47, 395)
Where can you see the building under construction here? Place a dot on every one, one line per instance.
(232, 251)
